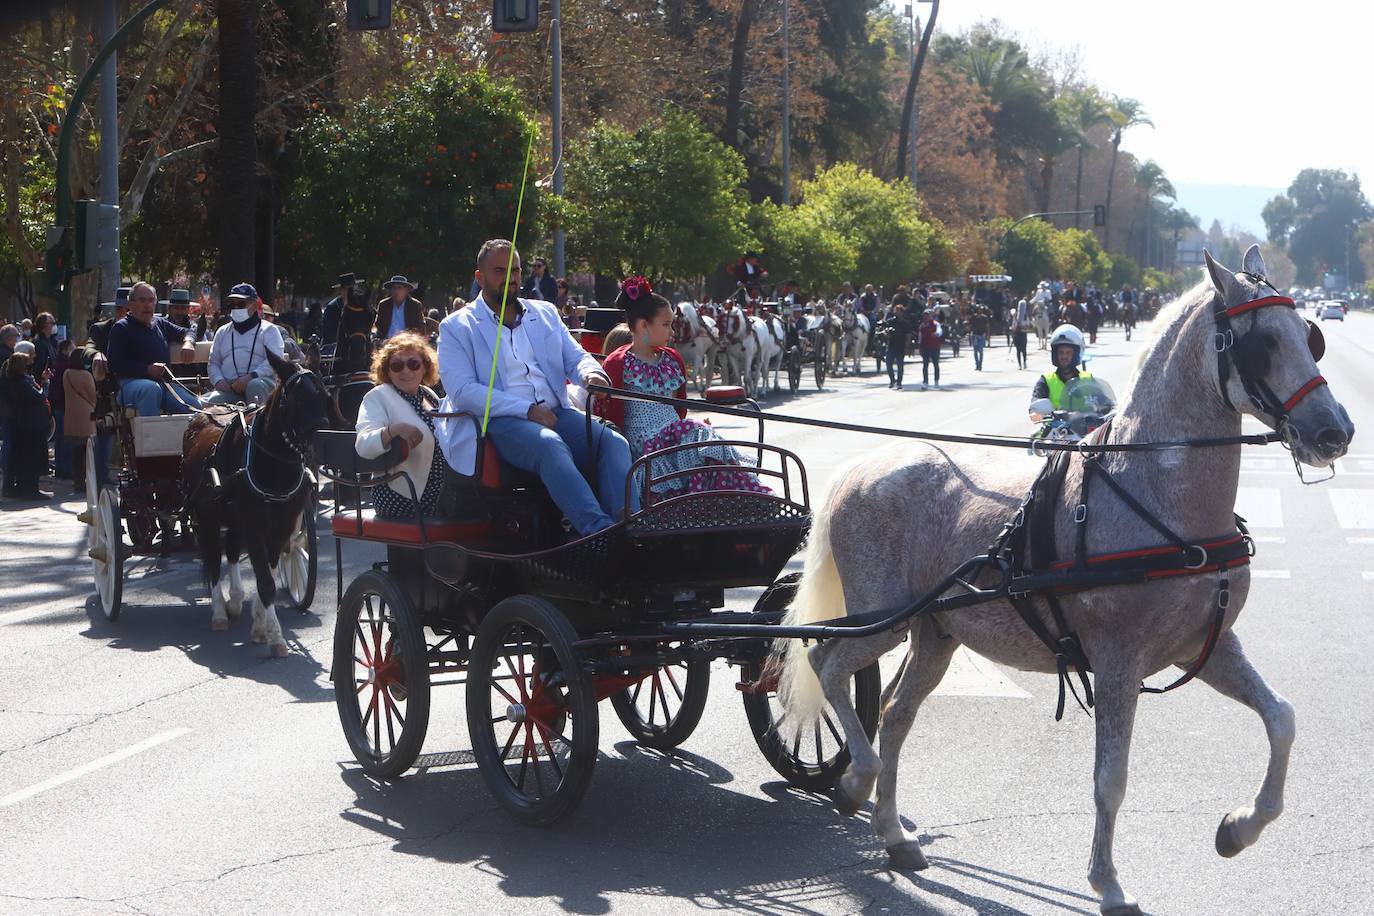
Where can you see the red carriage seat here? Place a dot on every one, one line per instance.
(408, 531)
(726, 394)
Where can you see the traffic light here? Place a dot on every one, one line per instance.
(514, 15)
(57, 258)
(1099, 215)
(97, 229)
(368, 14)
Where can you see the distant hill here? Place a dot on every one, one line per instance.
(1232, 204)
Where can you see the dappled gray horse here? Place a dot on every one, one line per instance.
(918, 511)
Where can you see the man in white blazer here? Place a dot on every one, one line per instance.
(532, 425)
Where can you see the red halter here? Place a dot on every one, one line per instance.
(1259, 391)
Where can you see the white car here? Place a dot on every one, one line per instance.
(1331, 310)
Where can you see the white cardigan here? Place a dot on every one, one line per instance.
(383, 406)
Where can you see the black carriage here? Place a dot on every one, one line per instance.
(541, 626)
(143, 511)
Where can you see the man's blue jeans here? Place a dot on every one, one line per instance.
(558, 457)
(979, 341)
(152, 398)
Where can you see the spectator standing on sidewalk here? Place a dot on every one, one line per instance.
(1020, 327)
(78, 424)
(29, 418)
(57, 400)
(930, 337)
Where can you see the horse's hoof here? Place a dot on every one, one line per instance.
(219, 626)
(280, 650)
(907, 856)
(258, 637)
(1229, 844)
(845, 804)
(1123, 909)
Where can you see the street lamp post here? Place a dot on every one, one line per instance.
(786, 102)
(560, 238)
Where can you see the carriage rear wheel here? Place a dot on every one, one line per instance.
(381, 675)
(664, 709)
(820, 366)
(809, 755)
(107, 552)
(531, 711)
(299, 562)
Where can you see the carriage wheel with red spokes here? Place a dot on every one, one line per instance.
(381, 675)
(532, 713)
(664, 709)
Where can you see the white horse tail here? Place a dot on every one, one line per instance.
(820, 596)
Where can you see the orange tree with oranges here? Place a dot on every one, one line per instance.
(412, 184)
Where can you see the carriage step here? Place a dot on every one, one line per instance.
(85, 517)
(98, 553)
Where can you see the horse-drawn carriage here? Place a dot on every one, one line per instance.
(541, 626)
(144, 510)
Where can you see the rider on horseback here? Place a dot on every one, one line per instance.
(1066, 349)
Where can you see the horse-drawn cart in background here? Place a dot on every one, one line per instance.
(541, 626)
(143, 511)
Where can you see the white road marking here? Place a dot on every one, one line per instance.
(1269, 539)
(1260, 507)
(62, 778)
(971, 675)
(1359, 540)
(1353, 508)
(1269, 573)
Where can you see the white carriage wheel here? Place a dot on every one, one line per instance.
(296, 568)
(107, 553)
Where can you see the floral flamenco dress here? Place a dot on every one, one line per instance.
(650, 427)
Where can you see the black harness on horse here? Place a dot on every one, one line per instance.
(1027, 542)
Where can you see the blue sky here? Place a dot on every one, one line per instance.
(1245, 93)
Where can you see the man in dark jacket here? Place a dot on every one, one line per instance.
(899, 328)
(138, 355)
(333, 310)
(401, 311)
(541, 284)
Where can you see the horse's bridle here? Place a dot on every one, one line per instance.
(1244, 352)
(293, 441)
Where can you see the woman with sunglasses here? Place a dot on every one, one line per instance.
(398, 409)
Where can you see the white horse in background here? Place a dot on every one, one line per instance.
(772, 337)
(696, 339)
(739, 345)
(854, 344)
(1041, 304)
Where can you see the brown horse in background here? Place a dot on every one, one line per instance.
(246, 479)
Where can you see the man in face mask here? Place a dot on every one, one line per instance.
(238, 367)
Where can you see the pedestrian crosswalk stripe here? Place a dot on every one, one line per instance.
(1259, 506)
(1353, 508)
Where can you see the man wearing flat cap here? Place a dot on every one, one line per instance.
(400, 311)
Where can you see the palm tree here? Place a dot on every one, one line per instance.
(1154, 184)
(1178, 222)
(1087, 110)
(909, 101)
(1020, 105)
(1058, 134)
(1126, 113)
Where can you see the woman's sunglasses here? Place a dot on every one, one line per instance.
(414, 364)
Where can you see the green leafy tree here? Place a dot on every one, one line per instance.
(1078, 255)
(1125, 271)
(799, 246)
(665, 200)
(1087, 111)
(880, 220)
(411, 183)
(1026, 251)
(1317, 222)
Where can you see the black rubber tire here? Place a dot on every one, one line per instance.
(689, 682)
(527, 622)
(794, 370)
(820, 369)
(375, 606)
(821, 771)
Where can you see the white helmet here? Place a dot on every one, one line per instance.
(1067, 334)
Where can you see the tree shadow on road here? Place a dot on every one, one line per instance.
(668, 826)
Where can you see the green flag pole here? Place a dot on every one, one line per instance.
(505, 291)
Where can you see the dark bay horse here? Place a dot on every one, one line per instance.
(246, 479)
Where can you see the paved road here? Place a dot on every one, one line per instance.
(156, 767)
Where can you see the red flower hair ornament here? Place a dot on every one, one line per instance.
(636, 287)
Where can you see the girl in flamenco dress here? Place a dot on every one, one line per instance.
(649, 366)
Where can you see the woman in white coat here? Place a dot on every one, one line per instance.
(395, 409)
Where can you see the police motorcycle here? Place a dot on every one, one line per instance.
(1083, 407)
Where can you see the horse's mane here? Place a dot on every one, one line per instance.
(1169, 320)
